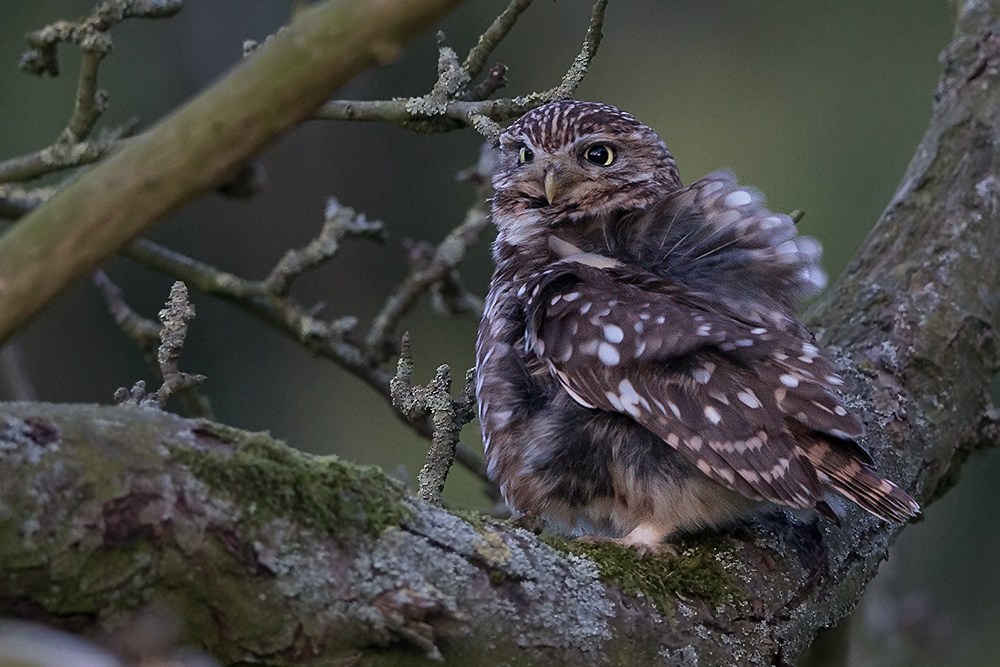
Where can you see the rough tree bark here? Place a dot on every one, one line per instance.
(276, 557)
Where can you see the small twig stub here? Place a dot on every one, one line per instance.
(174, 318)
(448, 415)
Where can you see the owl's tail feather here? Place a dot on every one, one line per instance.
(860, 483)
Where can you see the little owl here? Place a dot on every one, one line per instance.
(641, 372)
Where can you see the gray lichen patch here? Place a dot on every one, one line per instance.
(273, 480)
(513, 592)
(27, 440)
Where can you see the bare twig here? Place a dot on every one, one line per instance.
(447, 257)
(324, 338)
(451, 82)
(341, 222)
(437, 112)
(16, 201)
(174, 317)
(448, 414)
(453, 116)
(439, 269)
(571, 81)
(494, 81)
(15, 372)
(90, 102)
(63, 154)
(488, 41)
(91, 34)
(145, 333)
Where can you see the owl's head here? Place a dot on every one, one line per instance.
(567, 160)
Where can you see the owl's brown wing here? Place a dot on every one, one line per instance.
(751, 406)
(718, 237)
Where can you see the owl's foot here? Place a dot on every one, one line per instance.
(646, 539)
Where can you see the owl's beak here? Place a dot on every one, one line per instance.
(560, 178)
(552, 188)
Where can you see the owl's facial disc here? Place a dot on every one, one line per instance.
(555, 176)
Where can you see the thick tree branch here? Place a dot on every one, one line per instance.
(196, 148)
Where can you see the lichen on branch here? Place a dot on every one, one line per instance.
(448, 415)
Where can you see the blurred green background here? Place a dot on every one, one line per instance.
(820, 105)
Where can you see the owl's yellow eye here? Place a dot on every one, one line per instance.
(524, 155)
(600, 154)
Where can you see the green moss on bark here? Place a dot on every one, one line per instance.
(694, 573)
(273, 480)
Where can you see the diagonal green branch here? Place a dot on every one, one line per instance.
(198, 146)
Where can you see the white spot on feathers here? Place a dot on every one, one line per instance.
(630, 398)
(748, 398)
(613, 333)
(712, 415)
(789, 380)
(608, 354)
(738, 198)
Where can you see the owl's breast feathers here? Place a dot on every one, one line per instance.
(669, 331)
